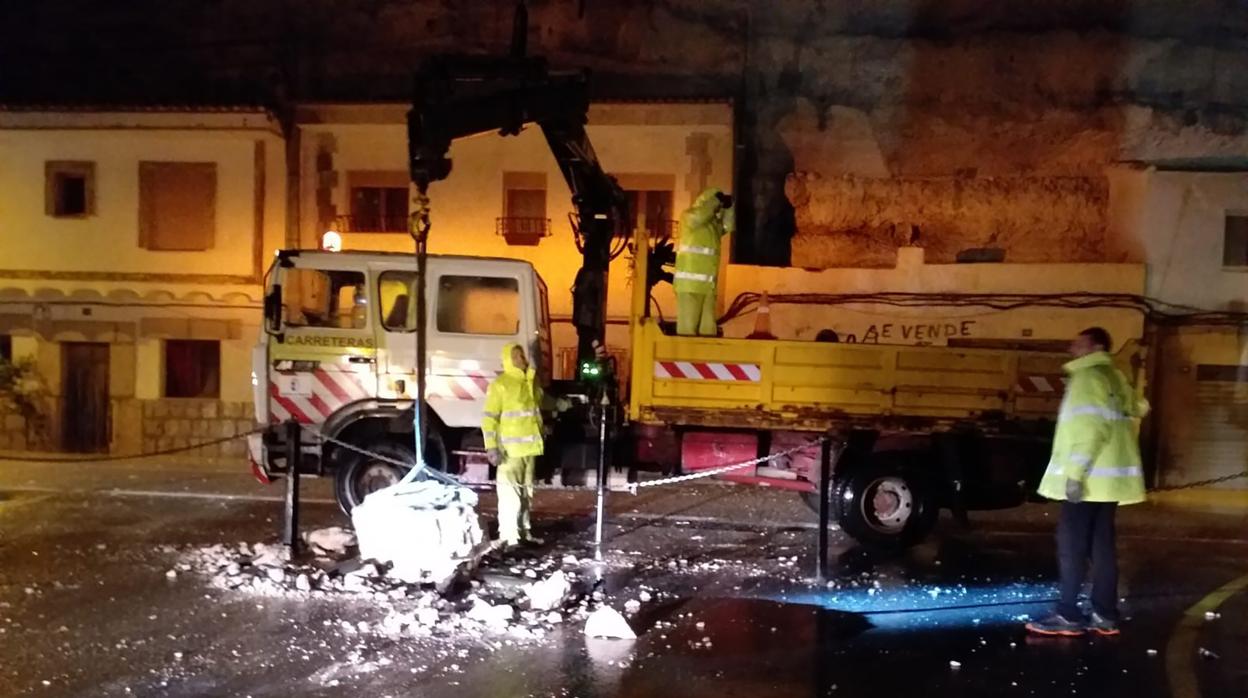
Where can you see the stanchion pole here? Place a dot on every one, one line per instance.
(825, 486)
(602, 476)
(290, 535)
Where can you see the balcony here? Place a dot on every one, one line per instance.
(371, 224)
(522, 231)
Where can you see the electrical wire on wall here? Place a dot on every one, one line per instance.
(1151, 308)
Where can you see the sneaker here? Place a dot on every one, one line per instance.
(1103, 626)
(1057, 624)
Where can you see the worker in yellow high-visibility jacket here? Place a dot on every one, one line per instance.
(1095, 467)
(702, 227)
(512, 430)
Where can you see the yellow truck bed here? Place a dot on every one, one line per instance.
(784, 384)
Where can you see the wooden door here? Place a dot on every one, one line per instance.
(85, 417)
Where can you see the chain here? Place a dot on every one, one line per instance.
(634, 486)
(434, 473)
(135, 456)
(1200, 483)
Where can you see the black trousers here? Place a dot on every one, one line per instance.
(1085, 532)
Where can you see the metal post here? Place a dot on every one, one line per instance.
(290, 535)
(825, 487)
(420, 231)
(602, 475)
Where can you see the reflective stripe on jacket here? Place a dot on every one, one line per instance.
(512, 418)
(697, 254)
(1095, 441)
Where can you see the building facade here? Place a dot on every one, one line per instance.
(134, 245)
(1190, 227)
(505, 196)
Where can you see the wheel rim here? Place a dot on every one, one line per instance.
(375, 476)
(887, 504)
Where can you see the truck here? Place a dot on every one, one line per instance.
(917, 428)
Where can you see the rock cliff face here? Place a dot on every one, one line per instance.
(861, 124)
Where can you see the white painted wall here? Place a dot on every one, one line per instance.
(1174, 222)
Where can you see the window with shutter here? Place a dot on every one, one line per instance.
(177, 206)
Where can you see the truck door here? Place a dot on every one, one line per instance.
(324, 357)
(476, 309)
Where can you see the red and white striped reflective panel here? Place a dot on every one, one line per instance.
(707, 371)
(461, 386)
(1040, 384)
(310, 397)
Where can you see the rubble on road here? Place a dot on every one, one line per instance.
(521, 602)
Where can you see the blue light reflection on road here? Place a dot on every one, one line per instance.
(932, 606)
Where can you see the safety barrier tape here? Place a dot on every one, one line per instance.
(86, 458)
(720, 470)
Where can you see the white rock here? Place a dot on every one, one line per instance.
(606, 622)
(570, 560)
(496, 617)
(632, 606)
(1152, 653)
(955, 664)
(548, 593)
(554, 618)
(645, 596)
(303, 583)
(334, 540)
(427, 616)
(171, 574)
(531, 573)
(276, 575)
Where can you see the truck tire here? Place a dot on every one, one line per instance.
(886, 503)
(362, 475)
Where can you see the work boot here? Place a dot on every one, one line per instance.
(1103, 626)
(533, 541)
(1057, 625)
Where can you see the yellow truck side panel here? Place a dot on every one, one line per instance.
(808, 385)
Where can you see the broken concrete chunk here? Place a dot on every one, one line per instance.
(606, 622)
(427, 616)
(425, 531)
(333, 541)
(548, 593)
(495, 617)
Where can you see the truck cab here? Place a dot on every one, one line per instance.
(338, 356)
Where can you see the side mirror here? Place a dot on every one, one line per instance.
(273, 310)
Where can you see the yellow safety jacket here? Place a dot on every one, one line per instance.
(513, 418)
(1096, 441)
(697, 253)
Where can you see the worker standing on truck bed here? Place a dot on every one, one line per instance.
(1095, 466)
(512, 429)
(702, 227)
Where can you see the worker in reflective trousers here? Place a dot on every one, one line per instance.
(1095, 466)
(512, 430)
(702, 226)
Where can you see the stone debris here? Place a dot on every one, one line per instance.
(548, 593)
(606, 622)
(334, 541)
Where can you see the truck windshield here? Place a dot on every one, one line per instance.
(324, 298)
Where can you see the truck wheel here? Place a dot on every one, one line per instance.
(886, 504)
(362, 475)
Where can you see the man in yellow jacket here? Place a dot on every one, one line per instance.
(702, 226)
(1095, 466)
(512, 430)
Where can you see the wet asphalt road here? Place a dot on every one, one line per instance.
(86, 608)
